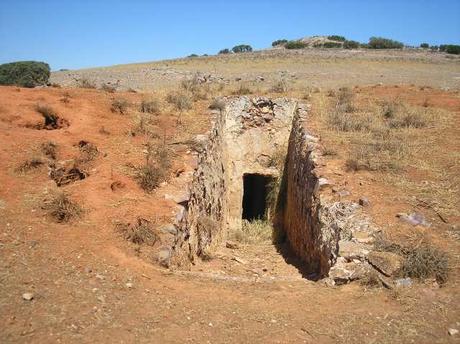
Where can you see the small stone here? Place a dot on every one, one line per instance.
(27, 296)
(169, 229)
(343, 193)
(364, 202)
(232, 245)
(452, 331)
(164, 257)
(414, 219)
(403, 282)
(129, 285)
(387, 263)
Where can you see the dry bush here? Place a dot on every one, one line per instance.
(88, 151)
(28, 165)
(145, 125)
(151, 106)
(156, 168)
(399, 115)
(345, 121)
(48, 113)
(344, 100)
(180, 100)
(217, 104)
(141, 232)
(371, 280)
(280, 87)
(119, 105)
(49, 149)
(253, 232)
(426, 262)
(108, 88)
(242, 90)
(86, 83)
(62, 209)
(382, 152)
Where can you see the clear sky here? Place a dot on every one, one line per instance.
(84, 33)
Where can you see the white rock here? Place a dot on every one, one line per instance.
(452, 331)
(28, 296)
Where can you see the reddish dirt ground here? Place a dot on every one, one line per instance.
(90, 285)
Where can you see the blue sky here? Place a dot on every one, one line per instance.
(84, 33)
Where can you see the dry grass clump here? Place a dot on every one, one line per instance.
(280, 87)
(62, 209)
(88, 151)
(49, 149)
(151, 106)
(347, 122)
(344, 100)
(140, 232)
(217, 104)
(119, 105)
(145, 125)
(242, 90)
(426, 262)
(108, 88)
(381, 152)
(86, 83)
(28, 165)
(253, 232)
(181, 101)
(420, 261)
(156, 168)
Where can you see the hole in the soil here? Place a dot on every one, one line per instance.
(256, 188)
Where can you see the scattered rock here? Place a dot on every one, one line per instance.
(403, 282)
(351, 250)
(343, 272)
(452, 331)
(387, 263)
(169, 229)
(364, 202)
(164, 257)
(414, 219)
(28, 296)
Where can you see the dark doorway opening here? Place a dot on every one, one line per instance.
(256, 188)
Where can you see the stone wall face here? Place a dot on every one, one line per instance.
(302, 216)
(244, 137)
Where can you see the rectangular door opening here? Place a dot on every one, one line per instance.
(255, 191)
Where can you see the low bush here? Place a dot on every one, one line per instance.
(119, 105)
(295, 45)
(424, 45)
(217, 104)
(180, 100)
(426, 262)
(450, 49)
(331, 45)
(242, 90)
(52, 120)
(62, 209)
(242, 48)
(351, 45)
(86, 83)
(140, 232)
(224, 51)
(108, 88)
(337, 38)
(384, 43)
(279, 42)
(24, 73)
(156, 168)
(151, 106)
(49, 149)
(28, 165)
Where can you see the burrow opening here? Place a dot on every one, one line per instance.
(256, 188)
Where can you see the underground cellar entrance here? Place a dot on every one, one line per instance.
(255, 191)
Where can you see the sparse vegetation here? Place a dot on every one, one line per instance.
(217, 104)
(180, 100)
(108, 88)
(336, 38)
(295, 45)
(119, 105)
(156, 168)
(424, 45)
(224, 51)
(242, 48)
(86, 83)
(151, 106)
(242, 90)
(62, 209)
(280, 87)
(253, 232)
(329, 45)
(141, 232)
(384, 43)
(24, 73)
(351, 45)
(28, 165)
(52, 120)
(49, 149)
(279, 42)
(426, 262)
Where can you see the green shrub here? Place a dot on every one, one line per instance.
(242, 48)
(193, 55)
(452, 49)
(224, 51)
(295, 45)
(424, 45)
(331, 45)
(279, 42)
(24, 73)
(384, 43)
(337, 38)
(351, 45)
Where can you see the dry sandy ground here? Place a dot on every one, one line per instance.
(90, 285)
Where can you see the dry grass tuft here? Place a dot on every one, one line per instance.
(180, 100)
(151, 106)
(28, 165)
(156, 168)
(280, 87)
(242, 90)
(120, 105)
(62, 209)
(86, 83)
(426, 262)
(141, 232)
(49, 149)
(217, 104)
(108, 88)
(253, 232)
